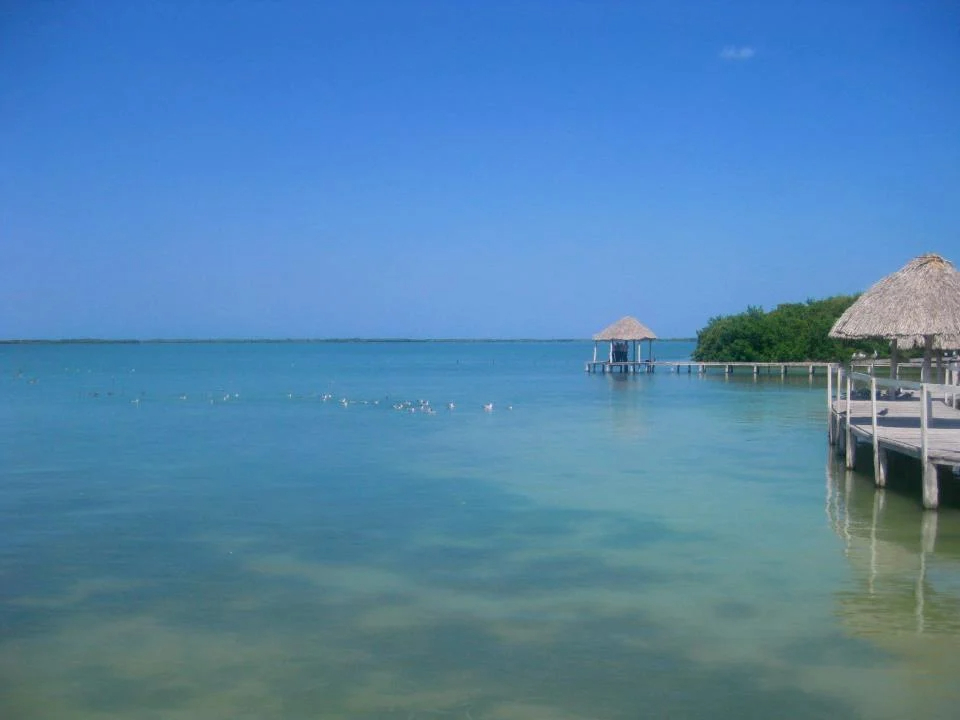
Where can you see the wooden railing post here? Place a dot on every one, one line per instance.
(839, 437)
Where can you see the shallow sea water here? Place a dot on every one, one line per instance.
(193, 531)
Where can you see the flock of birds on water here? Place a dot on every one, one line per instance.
(406, 406)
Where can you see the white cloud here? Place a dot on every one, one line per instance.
(732, 52)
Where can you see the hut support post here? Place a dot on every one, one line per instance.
(595, 350)
(927, 356)
(894, 358)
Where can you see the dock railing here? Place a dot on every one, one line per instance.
(844, 388)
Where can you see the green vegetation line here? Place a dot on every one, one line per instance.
(792, 332)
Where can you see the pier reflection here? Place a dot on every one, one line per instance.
(905, 562)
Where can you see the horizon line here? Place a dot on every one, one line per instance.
(239, 340)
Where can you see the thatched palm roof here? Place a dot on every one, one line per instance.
(626, 328)
(920, 299)
(940, 342)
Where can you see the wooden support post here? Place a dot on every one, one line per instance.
(952, 381)
(850, 448)
(812, 369)
(837, 423)
(879, 468)
(850, 442)
(836, 416)
(830, 407)
(931, 491)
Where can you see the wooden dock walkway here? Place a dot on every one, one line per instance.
(702, 368)
(921, 420)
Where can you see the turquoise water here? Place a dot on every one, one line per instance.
(193, 531)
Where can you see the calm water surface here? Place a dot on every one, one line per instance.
(208, 531)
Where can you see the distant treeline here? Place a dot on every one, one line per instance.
(791, 332)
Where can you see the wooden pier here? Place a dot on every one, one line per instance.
(921, 420)
(702, 368)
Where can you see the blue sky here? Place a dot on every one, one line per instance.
(535, 168)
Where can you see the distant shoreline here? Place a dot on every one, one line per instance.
(301, 341)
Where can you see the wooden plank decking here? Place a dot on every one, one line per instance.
(898, 427)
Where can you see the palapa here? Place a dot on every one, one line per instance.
(626, 328)
(918, 304)
(920, 299)
(624, 333)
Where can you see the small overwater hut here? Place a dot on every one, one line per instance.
(625, 340)
(917, 305)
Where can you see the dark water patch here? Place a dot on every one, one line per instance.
(122, 696)
(626, 533)
(835, 651)
(735, 610)
(538, 577)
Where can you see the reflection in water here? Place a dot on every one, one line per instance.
(904, 590)
(905, 575)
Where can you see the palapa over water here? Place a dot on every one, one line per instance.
(922, 298)
(626, 328)
(918, 304)
(624, 333)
